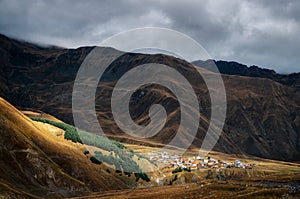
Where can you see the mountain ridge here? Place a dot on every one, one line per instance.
(262, 118)
(235, 68)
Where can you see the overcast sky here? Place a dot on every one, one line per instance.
(263, 33)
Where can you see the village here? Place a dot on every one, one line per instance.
(196, 162)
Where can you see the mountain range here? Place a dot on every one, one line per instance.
(263, 107)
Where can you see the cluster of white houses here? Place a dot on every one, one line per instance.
(195, 163)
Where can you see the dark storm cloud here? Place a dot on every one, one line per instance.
(260, 32)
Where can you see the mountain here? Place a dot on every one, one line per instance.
(263, 114)
(35, 162)
(235, 68)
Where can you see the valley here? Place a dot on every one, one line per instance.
(44, 156)
(267, 178)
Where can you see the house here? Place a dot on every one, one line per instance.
(196, 162)
(210, 164)
(225, 164)
(199, 158)
(237, 163)
(215, 161)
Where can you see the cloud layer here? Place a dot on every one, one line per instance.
(251, 32)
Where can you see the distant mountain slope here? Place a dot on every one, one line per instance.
(36, 163)
(235, 68)
(263, 116)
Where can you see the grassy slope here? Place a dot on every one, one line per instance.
(120, 156)
(38, 162)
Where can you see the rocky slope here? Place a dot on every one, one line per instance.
(263, 116)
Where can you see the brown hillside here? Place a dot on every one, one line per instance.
(36, 163)
(263, 117)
